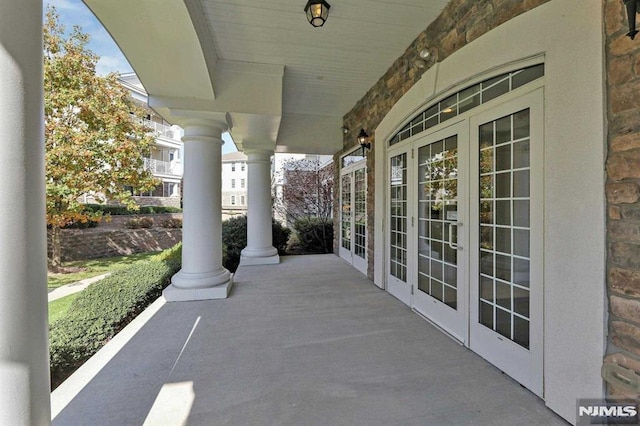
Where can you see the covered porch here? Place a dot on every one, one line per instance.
(309, 341)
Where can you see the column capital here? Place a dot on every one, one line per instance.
(258, 155)
(201, 123)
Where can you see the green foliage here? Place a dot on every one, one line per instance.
(280, 236)
(103, 309)
(59, 307)
(116, 210)
(315, 234)
(92, 267)
(234, 239)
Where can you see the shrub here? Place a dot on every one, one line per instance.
(145, 222)
(234, 238)
(157, 210)
(173, 222)
(136, 223)
(103, 309)
(280, 236)
(122, 210)
(80, 225)
(315, 234)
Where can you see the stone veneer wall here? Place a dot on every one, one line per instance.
(623, 192)
(461, 22)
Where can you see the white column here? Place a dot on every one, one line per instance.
(259, 250)
(202, 275)
(24, 345)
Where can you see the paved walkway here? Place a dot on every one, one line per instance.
(310, 341)
(68, 289)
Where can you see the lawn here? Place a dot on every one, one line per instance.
(90, 268)
(58, 307)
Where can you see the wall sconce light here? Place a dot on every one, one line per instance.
(633, 7)
(317, 12)
(345, 129)
(363, 140)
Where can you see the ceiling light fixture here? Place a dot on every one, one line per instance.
(317, 12)
(426, 58)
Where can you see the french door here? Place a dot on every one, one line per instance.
(353, 217)
(507, 239)
(440, 287)
(398, 267)
(465, 221)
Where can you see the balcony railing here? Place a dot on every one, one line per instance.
(159, 167)
(160, 129)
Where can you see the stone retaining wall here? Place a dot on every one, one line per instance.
(112, 239)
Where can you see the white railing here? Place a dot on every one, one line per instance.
(159, 167)
(160, 129)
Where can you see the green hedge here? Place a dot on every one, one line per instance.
(103, 309)
(122, 210)
(234, 239)
(315, 234)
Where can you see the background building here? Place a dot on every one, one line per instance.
(165, 158)
(234, 184)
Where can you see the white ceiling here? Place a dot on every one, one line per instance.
(326, 70)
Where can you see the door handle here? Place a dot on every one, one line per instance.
(453, 245)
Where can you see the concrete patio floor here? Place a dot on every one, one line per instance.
(310, 341)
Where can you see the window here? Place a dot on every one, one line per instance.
(233, 183)
(467, 99)
(242, 200)
(242, 182)
(233, 200)
(242, 167)
(233, 167)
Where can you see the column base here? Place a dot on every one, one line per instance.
(267, 256)
(250, 261)
(188, 287)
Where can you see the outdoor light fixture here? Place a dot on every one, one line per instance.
(317, 12)
(363, 140)
(426, 58)
(633, 7)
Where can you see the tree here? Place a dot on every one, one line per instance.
(306, 201)
(95, 142)
(307, 190)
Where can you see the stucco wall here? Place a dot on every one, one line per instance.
(567, 36)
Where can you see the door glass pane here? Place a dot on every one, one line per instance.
(504, 232)
(398, 217)
(360, 213)
(345, 212)
(437, 215)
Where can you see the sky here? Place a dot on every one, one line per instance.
(74, 12)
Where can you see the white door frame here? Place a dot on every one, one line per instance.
(526, 366)
(398, 288)
(360, 263)
(454, 322)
